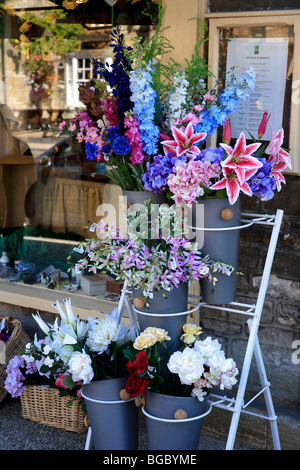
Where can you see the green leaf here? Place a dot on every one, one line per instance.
(130, 355)
(68, 382)
(44, 369)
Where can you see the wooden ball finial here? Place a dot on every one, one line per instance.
(226, 214)
(139, 302)
(180, 414)
(124, 395)
(140, 400)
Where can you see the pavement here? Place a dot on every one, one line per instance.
(18, 433)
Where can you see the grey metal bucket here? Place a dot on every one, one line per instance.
(166, 433)
(114, 422)
(139, 197)
(167, 313)
(219, 239)
(145, 224)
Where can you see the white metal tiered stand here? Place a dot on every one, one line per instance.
(253, 312)
(236, 405)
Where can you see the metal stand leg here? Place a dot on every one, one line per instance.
(253, 347)
(267, 394)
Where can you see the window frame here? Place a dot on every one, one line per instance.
(261, 18)
(71, 80)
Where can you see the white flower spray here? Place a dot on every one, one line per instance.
(176, 99)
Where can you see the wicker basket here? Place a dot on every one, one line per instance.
(44, 405)
(16, 343)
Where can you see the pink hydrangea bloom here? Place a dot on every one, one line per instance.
(188, 178)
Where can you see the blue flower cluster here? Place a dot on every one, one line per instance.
(115, 141)
(262, 184)
(211, 154)
(120, 145)
(91, 150)
(116, 75)
(156, 176)
(229, 99)
(144, 98)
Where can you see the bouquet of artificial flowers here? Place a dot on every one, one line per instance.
(149, 121)
(73, 352)
(193, 370)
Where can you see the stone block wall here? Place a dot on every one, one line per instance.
(280, 324)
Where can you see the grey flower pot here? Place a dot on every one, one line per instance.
(167, 313)
(173, 434)
(114, 425)
(221, 244)
(139, 197)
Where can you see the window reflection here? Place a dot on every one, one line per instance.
(47, 51)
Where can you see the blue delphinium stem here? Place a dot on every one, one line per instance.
(117, 74)
(144, 99)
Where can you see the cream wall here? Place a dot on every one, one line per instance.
(182, 32)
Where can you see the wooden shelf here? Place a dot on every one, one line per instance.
(40, 298)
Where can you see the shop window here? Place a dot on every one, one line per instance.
(48, 188)
(250, 5)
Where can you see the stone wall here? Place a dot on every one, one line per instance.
(280, 323)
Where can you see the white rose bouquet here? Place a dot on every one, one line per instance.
(203, 367)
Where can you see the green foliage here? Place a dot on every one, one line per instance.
(154, 48)
(197, 67)
(60, 37)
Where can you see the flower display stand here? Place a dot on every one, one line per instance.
(254, 311)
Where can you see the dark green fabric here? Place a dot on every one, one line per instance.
(42, 254)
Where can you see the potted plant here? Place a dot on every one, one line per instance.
(173, 387)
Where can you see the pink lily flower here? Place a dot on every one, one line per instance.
(263, 125)
(240, 158)
(227, 131)
(279, 158)
(184, 140)
(275, 151)
(233, 185)
(276, 173)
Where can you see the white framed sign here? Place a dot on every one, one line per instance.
(269, 57)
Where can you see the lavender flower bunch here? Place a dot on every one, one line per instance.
(37, 364)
